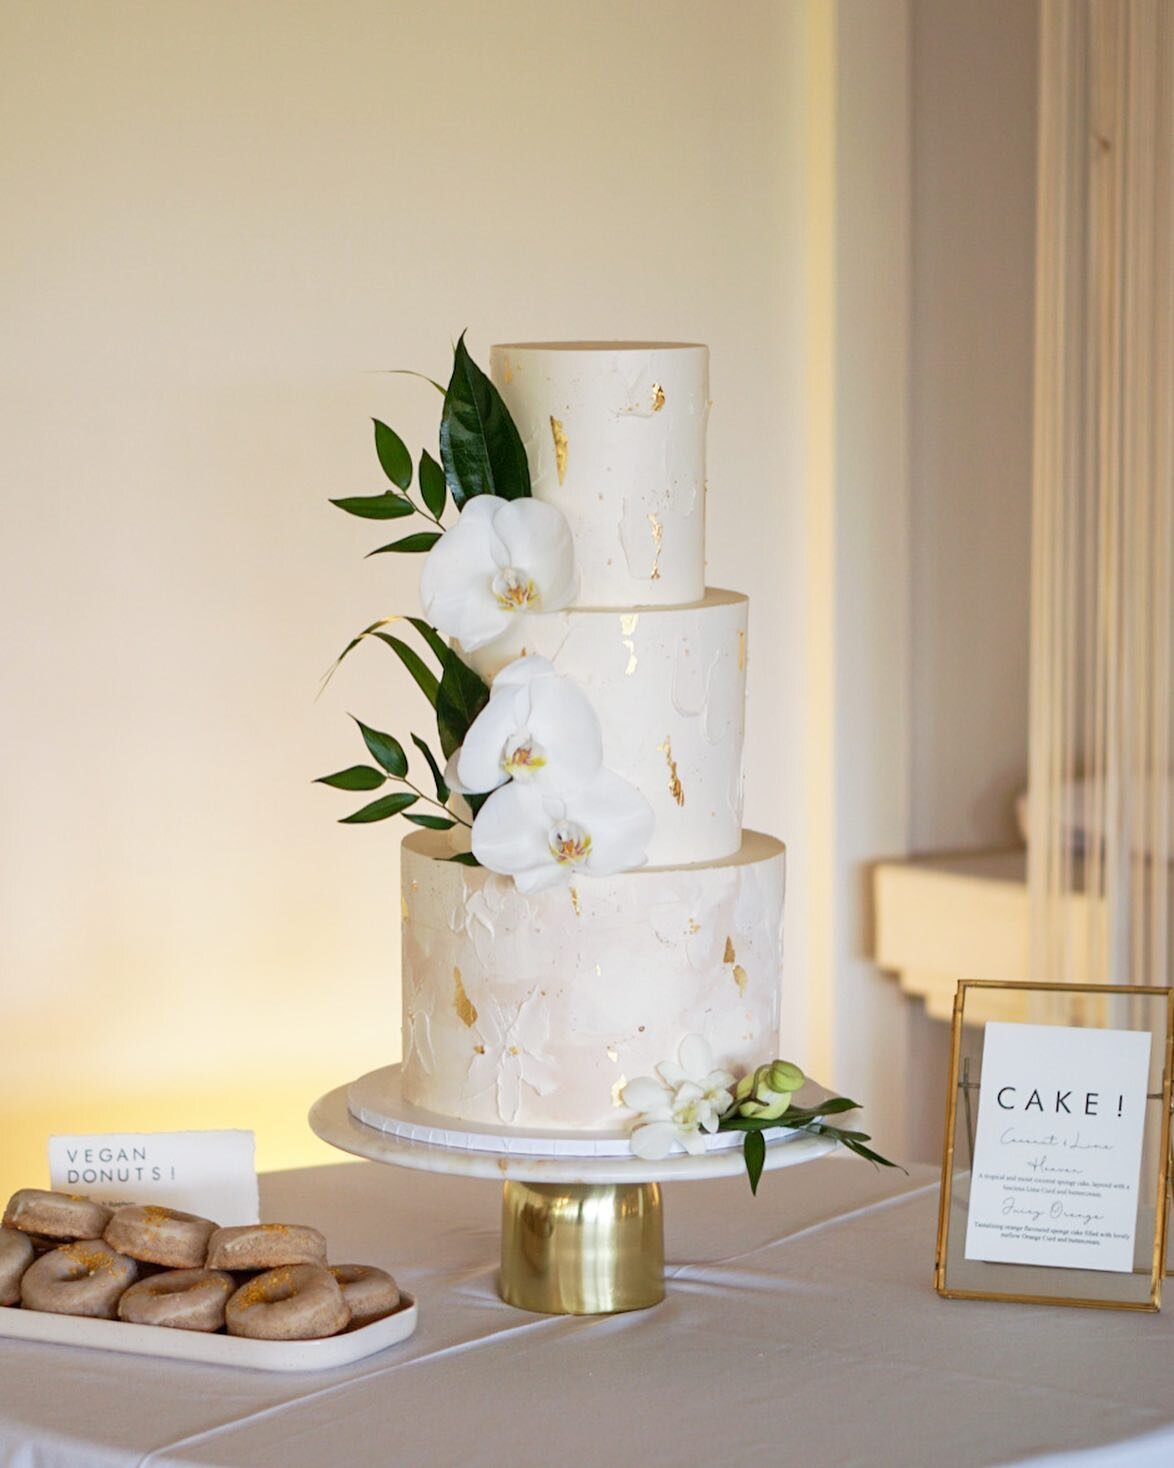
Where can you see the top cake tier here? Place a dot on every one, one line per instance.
(615, 436)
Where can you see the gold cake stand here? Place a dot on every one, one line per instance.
(582, 1227)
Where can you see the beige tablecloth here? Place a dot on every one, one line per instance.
(800, 1328)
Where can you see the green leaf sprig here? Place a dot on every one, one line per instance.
(391, 764)
(481, 452)
(810, 1119)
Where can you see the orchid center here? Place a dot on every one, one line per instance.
(523, 756)
(569, 843)
(514, 590)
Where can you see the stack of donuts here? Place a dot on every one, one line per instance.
(156, 1266)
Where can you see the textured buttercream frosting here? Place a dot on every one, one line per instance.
(535, 1010)
(615, 436)
(669, 687)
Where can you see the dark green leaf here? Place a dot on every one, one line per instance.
(441, 788)
(379, 810)
(358, 777)
(424, 676)
(393, 455)
(754, 1153)
(389, 752)
(377, 506)
(432, 638)
(432, 486)
(461, 698)
(835, 1104)
(433, 823)
(480, 446)
(423, 540)
(464, 858)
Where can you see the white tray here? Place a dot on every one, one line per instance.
(218, 1350)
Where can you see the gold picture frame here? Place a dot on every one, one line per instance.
(1103, 1006)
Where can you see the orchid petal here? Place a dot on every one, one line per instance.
(565, 723)
(696, 1056)
(538, 541)
(643, 1093)
(672, 1074)
(654, 1141)
(692, 1141)
(619, 819)
(481, 767)
(456, 584)
(510, 833)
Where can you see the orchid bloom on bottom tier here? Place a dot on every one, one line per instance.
(544, 838)
(685, 1101)
(680, 1102)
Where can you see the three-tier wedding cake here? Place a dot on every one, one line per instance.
(530, 1002)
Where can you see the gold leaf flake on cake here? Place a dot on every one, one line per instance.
(694, 925)
(657, 397)
(403, 907)
(657, 538)
(464, 1006)
(575, 901)
(507, 372)
(560, 447)
(729, 956)
(478, 1049)
(740, 978)
(629, 621)
(612, 1055)
(741, 651)
(676, 789)
(617, 1091)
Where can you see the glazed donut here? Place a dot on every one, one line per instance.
(159, 1235)
(370, 1293)
(16, 1254)
(85, 1278)
(265, 1246)
(298, 1302)
(55, 1215)
(185, 1299)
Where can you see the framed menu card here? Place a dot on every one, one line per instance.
(1056, 1171)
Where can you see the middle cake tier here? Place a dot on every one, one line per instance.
(669, 686)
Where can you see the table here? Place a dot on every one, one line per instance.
(800, 1328)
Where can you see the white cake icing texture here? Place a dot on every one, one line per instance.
(615, 436)
(535, 1010)
(669, 687)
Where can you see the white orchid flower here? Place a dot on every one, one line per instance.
(542, 837)
(500, 558)
(679, 1103)
(538, 726)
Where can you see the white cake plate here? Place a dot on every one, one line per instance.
(582, 1226)
(370, 1118)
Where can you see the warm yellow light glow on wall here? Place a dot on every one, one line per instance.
(219, 226)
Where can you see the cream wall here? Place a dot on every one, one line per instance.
(221, 219)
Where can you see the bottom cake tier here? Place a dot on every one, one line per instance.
(536, 1010)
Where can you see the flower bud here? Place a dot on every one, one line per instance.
(783, 1076)
(765, 1110)
(744, 1087)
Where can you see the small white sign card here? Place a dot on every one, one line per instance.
(213, 1174)
(1057, 1151)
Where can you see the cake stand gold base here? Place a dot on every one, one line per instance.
(581, 1248)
